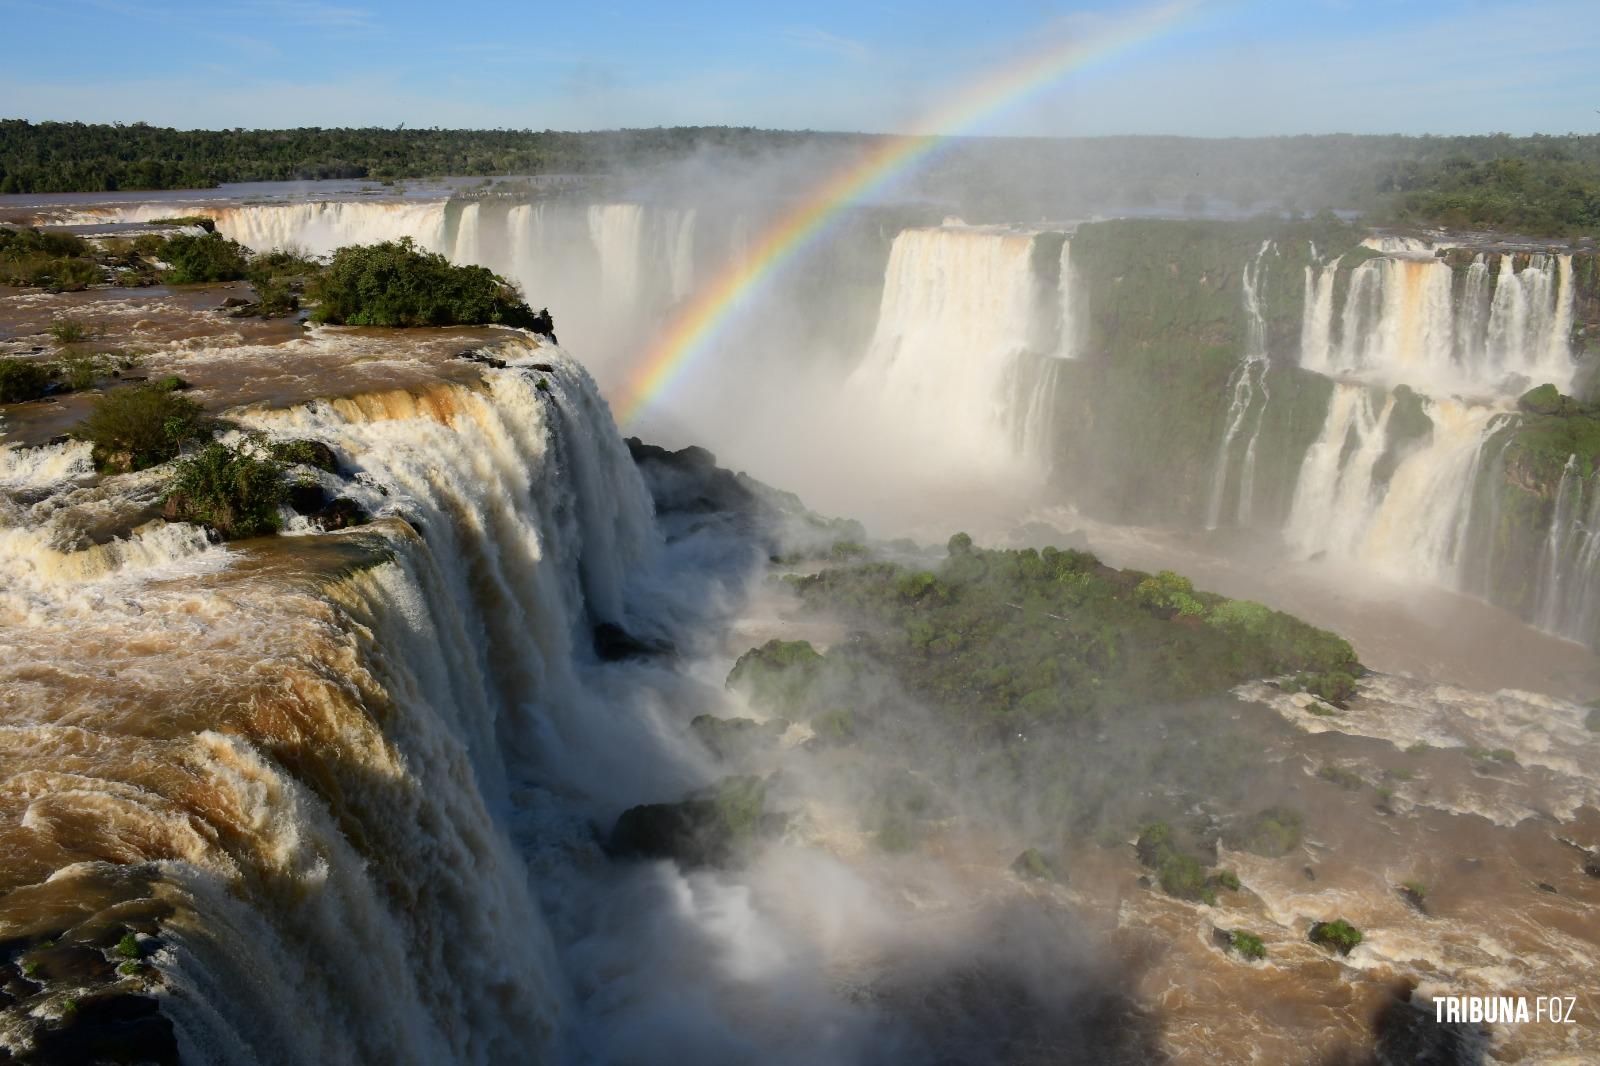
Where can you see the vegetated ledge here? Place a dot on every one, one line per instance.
(1005, 640)
(1084, 702)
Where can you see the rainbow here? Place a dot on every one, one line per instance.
(698, 322)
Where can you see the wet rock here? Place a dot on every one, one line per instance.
(544, 324)
(1404, 1031)
(236, 301)
(1031, 865)
(1338, 934)
(543, 368)
(108, 1029)
(1591, 865)
(342, 513)
(613, 644)
(1415, 896)
(689, 480)
(312, 453)
(473, 355)
(307, 497)
(710, 827)
(735, 738)
(1545, 886)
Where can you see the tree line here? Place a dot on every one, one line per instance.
(1541, 184)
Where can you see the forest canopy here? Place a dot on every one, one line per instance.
(1535, 185)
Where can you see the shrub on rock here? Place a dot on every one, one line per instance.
(395, 283)
(132, 429)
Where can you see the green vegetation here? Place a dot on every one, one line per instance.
(1142, 411)
(203, 258)
(130, 968)
(1348, 780)
(66, 331)
(1179, 873)
(1012, 638)
(1168, 595)
(1504, 756)
(1337, 934)
(1248, 945)
(1538, 184)
(709, 827)
(128, 947)
(1272, 832)
(397, 284)
(777, 675)
(57, 261)
(1228, 880)
(1031, 865)
(310, 453)
(23, 379)
(733, 738)
(233, 490)
(139, 427)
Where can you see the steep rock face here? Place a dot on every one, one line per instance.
(1165, 325)
(1357, 394)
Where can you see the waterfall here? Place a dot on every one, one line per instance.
(1568, 590)
(1412, 523)
(949, 361)
(1248, 379)
(319, 227)
(317, 761)
(1402, 322)
(1316, 329)
(1067, 325)
(615, 230)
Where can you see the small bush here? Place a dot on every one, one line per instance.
(79, 372)
(209, 257)
(1031, 865)
(397, 284)
(312, 453)
(67, 331)
(128, 946)
(1337, 934)
(1248, 945)
(70, 275)
(1228, 880)
(1345, 779)
(235, 491)
(132, 429)
(1271, 832)
(1168, 594)
(22, 379)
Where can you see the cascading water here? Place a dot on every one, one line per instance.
(1569, 569)
(1249, 380)
(1401, 322)
(951, 356)
(1362, 494)
(411, 693)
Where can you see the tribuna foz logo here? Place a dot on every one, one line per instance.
(1504, 1010)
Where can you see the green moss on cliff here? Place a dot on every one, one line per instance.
(1143, 410)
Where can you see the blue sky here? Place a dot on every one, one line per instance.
(1235, 67)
